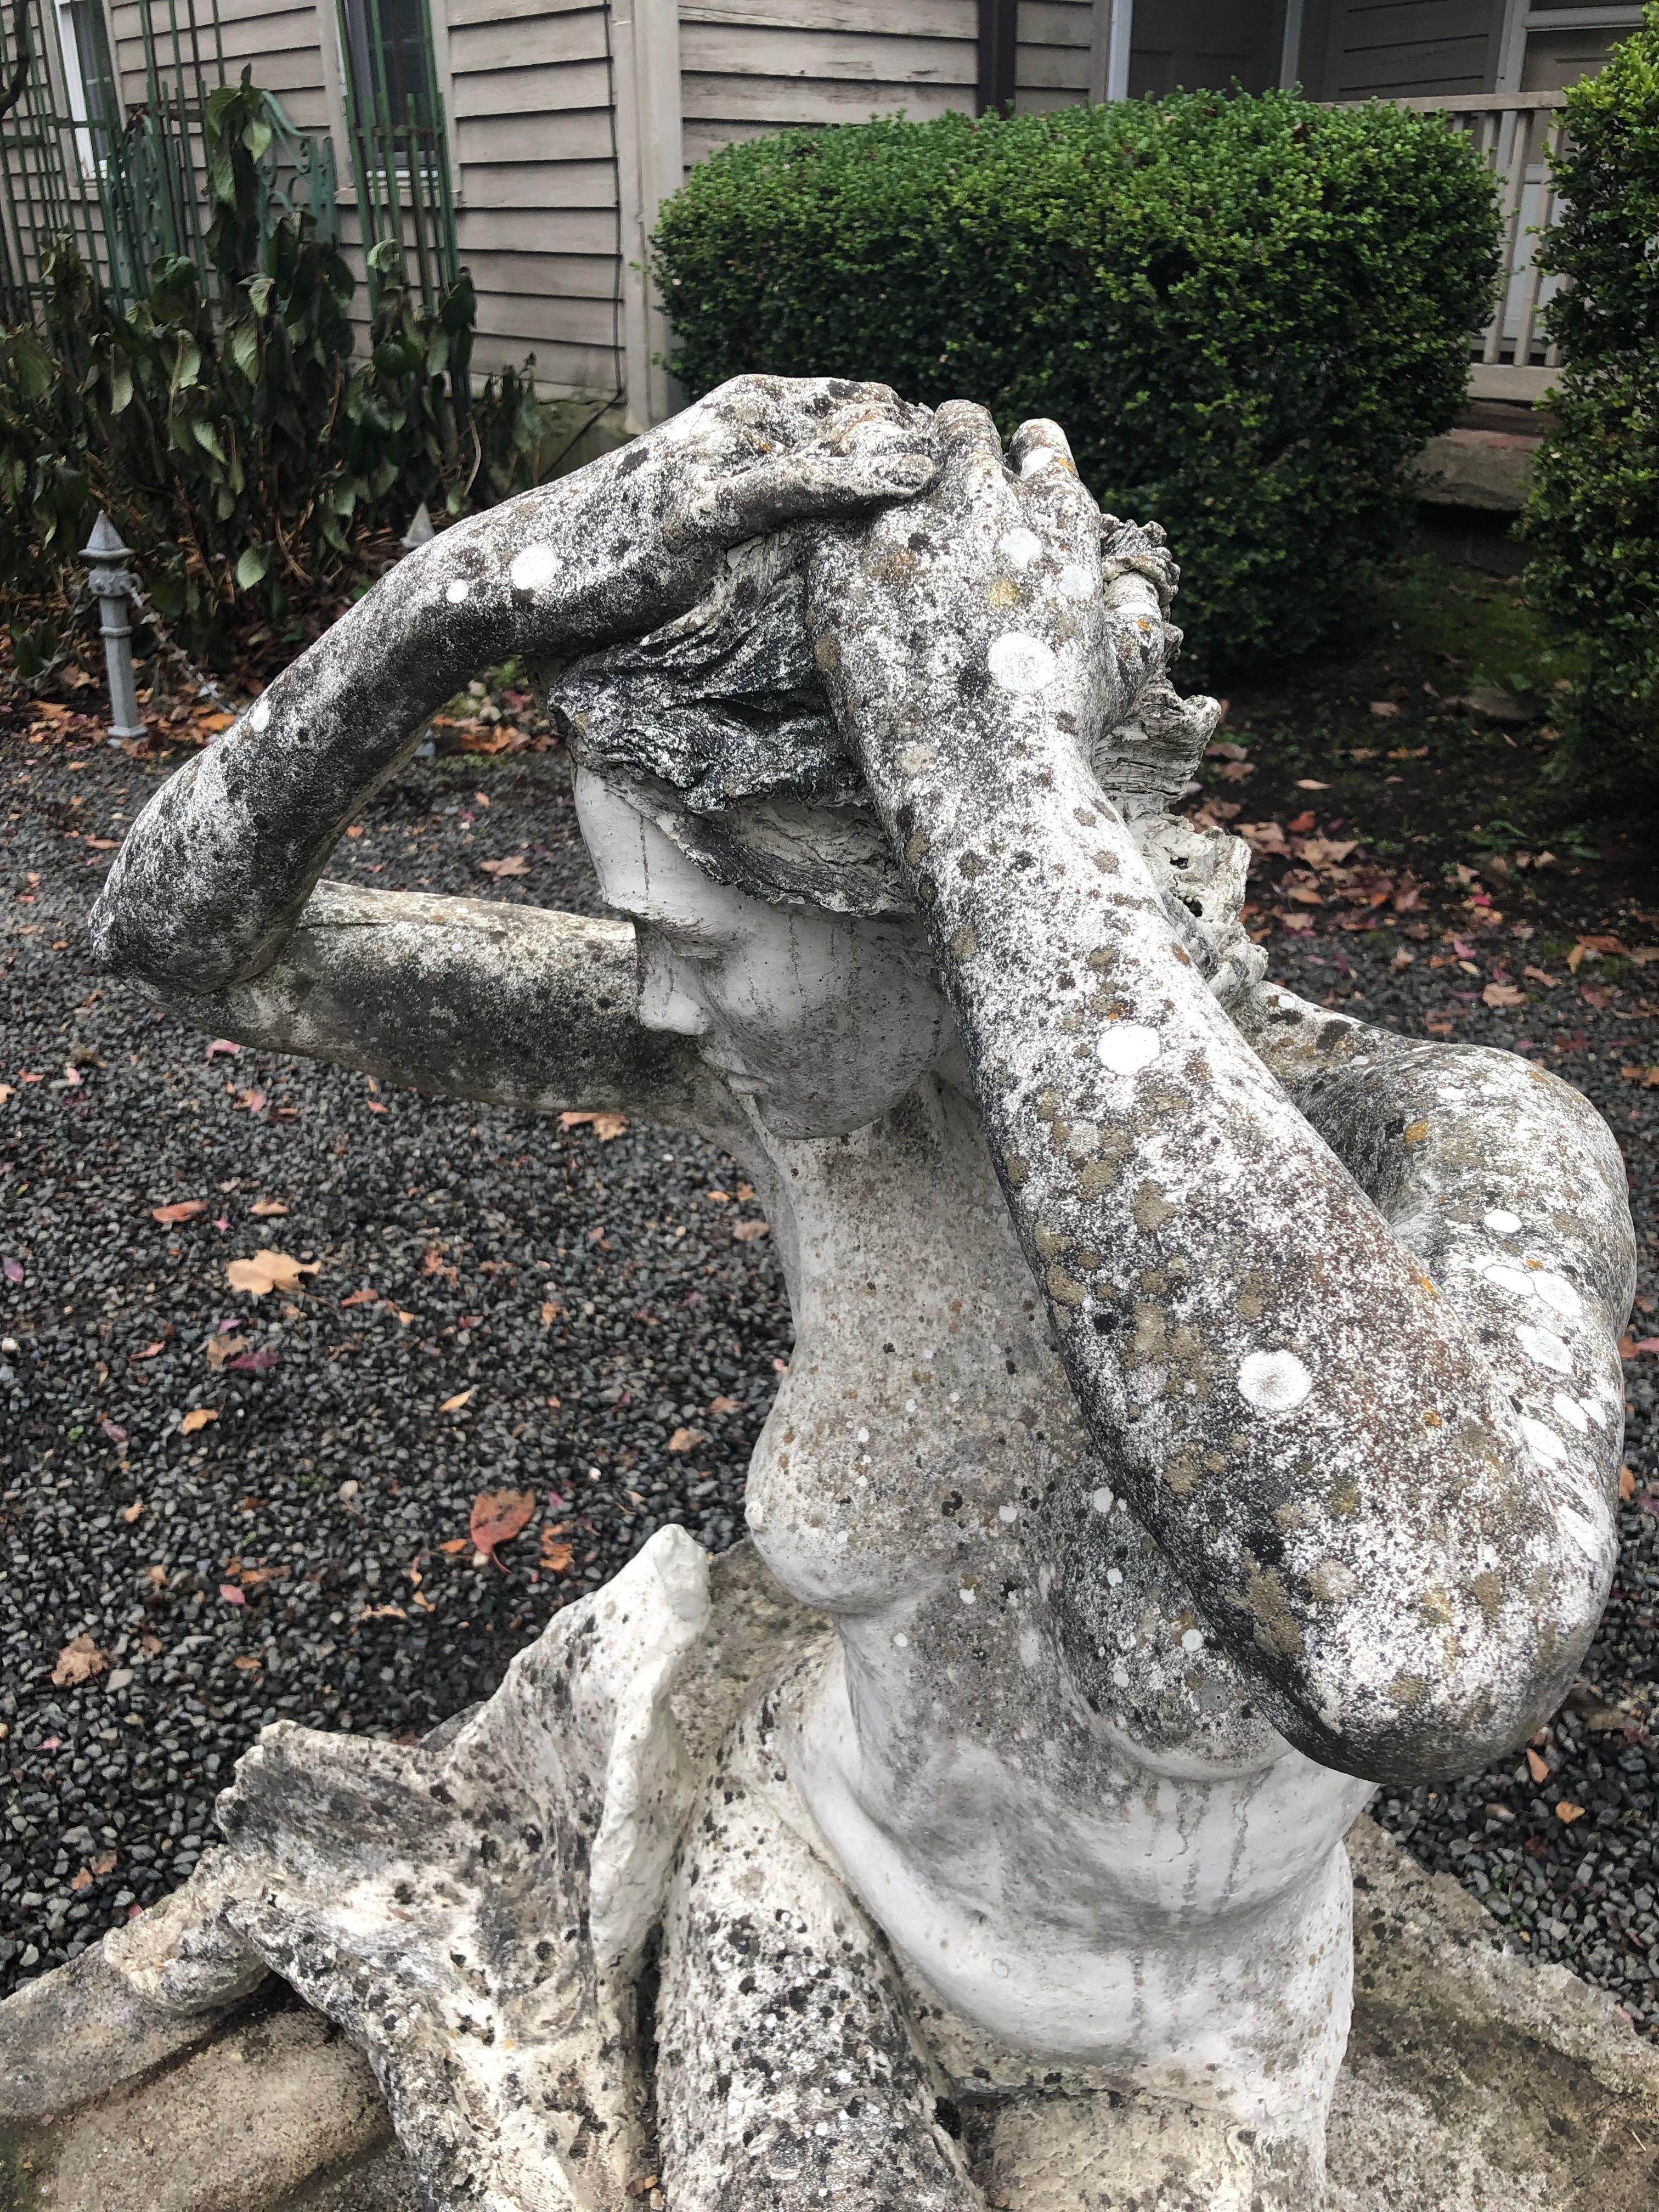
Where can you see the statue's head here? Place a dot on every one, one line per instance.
(728, 819)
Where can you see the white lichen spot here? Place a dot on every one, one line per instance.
(1102, 1499)
(1000, 1968)
(1075, 582)
(1544, 1346)
(534, 569)
(1030, 1649)
(1509, 1278)
(901, 1641)
(1039, 458)
(864, 1436)
(1570, 1412)
(1121, 1677)
(1556, 1292)
(1008, 1514)
(1127, 1047)
(1193, 1640)
(459, 590)
(968, 1596)
(261, 714)
(1273, 1382)
(1019, 548)
(1502, 1222)
(1114, 1577)
(1021, 664)
(909, 1405)
(1542, 1443)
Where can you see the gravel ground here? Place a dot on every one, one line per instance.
(303, 1552)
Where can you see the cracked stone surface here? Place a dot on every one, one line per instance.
(1203, 1407)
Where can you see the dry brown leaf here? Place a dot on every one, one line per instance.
(1503, 994)
(263, 1208)
(514, 865)
(362, 1297)
(497, 1517)
(1385, 708)
(383, 1613)
(605, 1126)
(270, 1271)
(1567, 1812)
(455, 1544)
(102, 1862)
(130, 1513)
(725, 1405)
(219, 1349)
(78, 1662)
(685, 1440)
(247, 1664)
(1626, 1484)
(556, 1555)
(82, 1879)
(197, 1419)
(186, 1210)
(748, 1232)
(454, 1405)
(1537, 1768)
(551, 1310)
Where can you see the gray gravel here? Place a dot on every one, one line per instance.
(322, 1493)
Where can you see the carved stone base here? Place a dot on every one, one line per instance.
(478, 1912)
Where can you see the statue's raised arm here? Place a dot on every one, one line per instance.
(1390, 1491)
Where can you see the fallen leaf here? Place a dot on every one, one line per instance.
(130, 1513)
(363, 1298)
(246, 1664)
(1225, 748)
(551, 1310)
(197, 1419)
(556, 1555)
(232, 1595)
(1302, 823)
(1503, 994)
(384, 1612)
(219, 1349)
(685, 1440)
(222, 1045)
(7, 1090)
(150, 1350)
(113, 1430)
(454, 1405)
(455, 1544)
(1537, 1768)
(514, 865)
(605, 1126)
(103, 1863)
(81, 1880)
(150, 1645)
(256, 1363)
(1385, 708)
(1310, 783)
(78, 1662)
(1237, 771)
(252, 1101)
(725, 1405)
(270, 1271)
(12, 1270)
(497, 1517)
(263, 1208)
(1568, 1812)
(749, 1232)
(186, 1210)
(1626, 1484)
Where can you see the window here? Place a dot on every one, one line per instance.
(88, 80)
(389, 57)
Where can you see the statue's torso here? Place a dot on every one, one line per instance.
(1032, 1731)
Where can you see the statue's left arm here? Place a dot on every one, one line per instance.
(1381, 1449)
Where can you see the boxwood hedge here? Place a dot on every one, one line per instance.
(1249, 312)
(1594, 517)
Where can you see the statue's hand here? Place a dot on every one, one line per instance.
(984, 610)
(212, 877)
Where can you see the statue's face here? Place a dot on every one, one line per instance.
(825, 1020)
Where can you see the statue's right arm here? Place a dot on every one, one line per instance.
(217, 869)
(516, 1005)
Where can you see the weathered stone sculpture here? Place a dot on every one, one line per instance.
(1203, 1406)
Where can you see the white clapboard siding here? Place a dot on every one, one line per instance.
(749, 67)
(1052, 63)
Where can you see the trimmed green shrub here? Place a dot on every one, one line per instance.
(1248, 312)
(236, 441)
(1593, 519)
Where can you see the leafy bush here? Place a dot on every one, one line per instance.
(1593, 519)
(234, 440)
(1248, 312)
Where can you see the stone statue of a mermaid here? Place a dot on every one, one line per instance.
(1203, 1407)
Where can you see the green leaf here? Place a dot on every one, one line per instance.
(208, 438)
(254, 565)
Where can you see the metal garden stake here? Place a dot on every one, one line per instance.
(112, 586)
